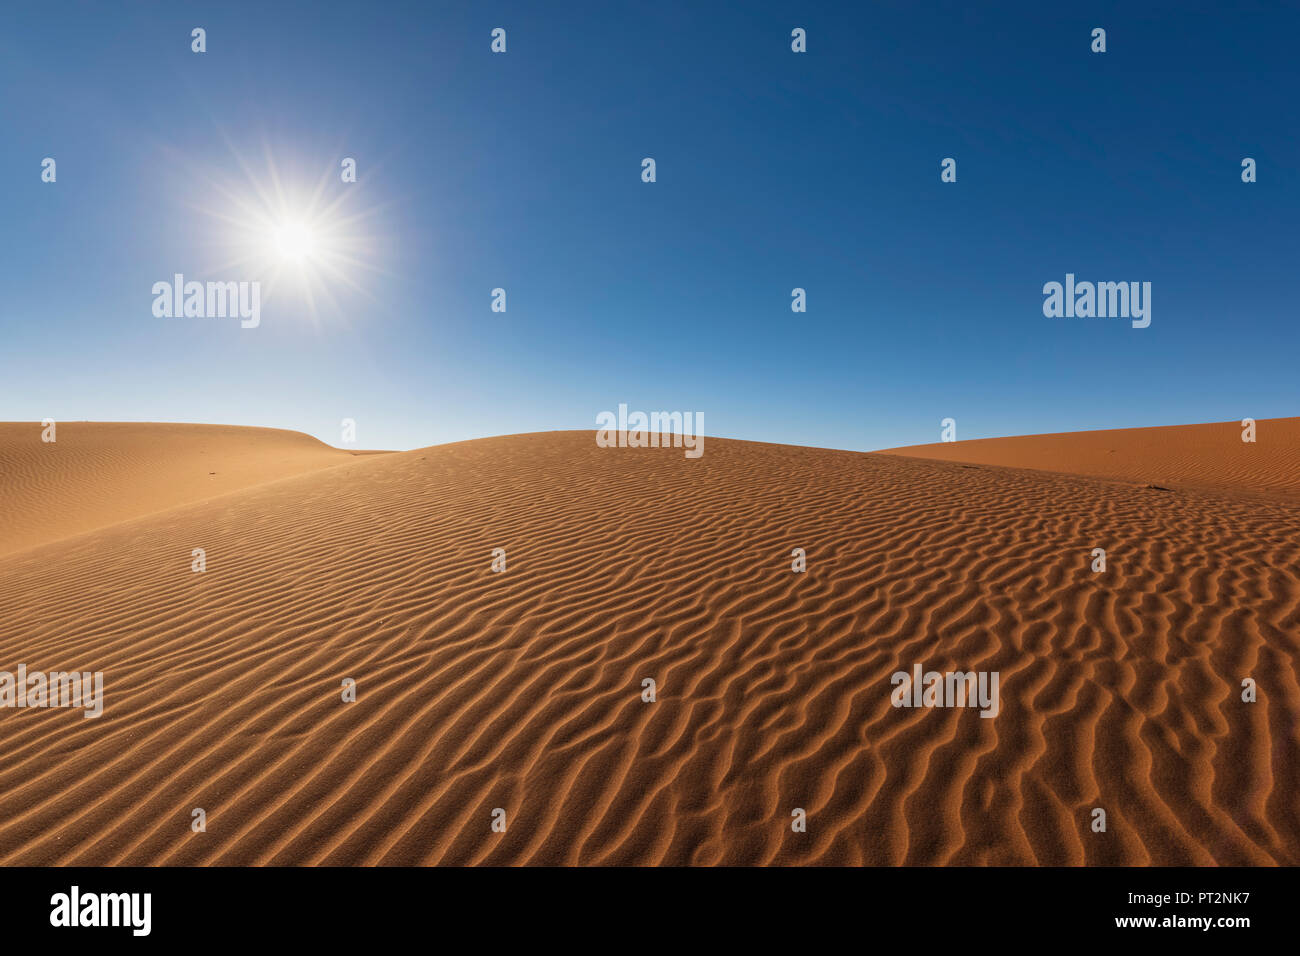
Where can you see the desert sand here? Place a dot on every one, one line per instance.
(95, 474)
(1182, 456)
(522, 689)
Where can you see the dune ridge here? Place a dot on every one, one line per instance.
(522, 690)
(1204, 457)
(97, 474)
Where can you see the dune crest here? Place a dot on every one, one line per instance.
(1206, 457)
(96, 474)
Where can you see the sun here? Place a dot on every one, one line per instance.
(294, 241)
(312, 240)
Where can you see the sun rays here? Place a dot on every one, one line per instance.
(305, 238)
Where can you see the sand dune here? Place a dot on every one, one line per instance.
(1185, 456)
(97, 474)
(522, 690)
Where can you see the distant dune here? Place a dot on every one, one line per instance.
(99, 473)
(1187, 456)
(522, 690)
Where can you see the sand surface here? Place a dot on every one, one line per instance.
(522, 690)
(96, 474)
(1183, 456)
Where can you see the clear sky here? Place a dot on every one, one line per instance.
(775, 170)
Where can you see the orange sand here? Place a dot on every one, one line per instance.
(1184, 456)
(97, 474)
(522, 690)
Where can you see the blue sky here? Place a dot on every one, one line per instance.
(775, 170)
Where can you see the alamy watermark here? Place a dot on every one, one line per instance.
(952, 689)
(651, 430)
(76, 908)
(1104, 300)
(211, 300)
(55, 689)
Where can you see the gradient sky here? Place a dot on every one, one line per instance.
(775, 170)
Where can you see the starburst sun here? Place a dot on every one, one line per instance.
(305, 243)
